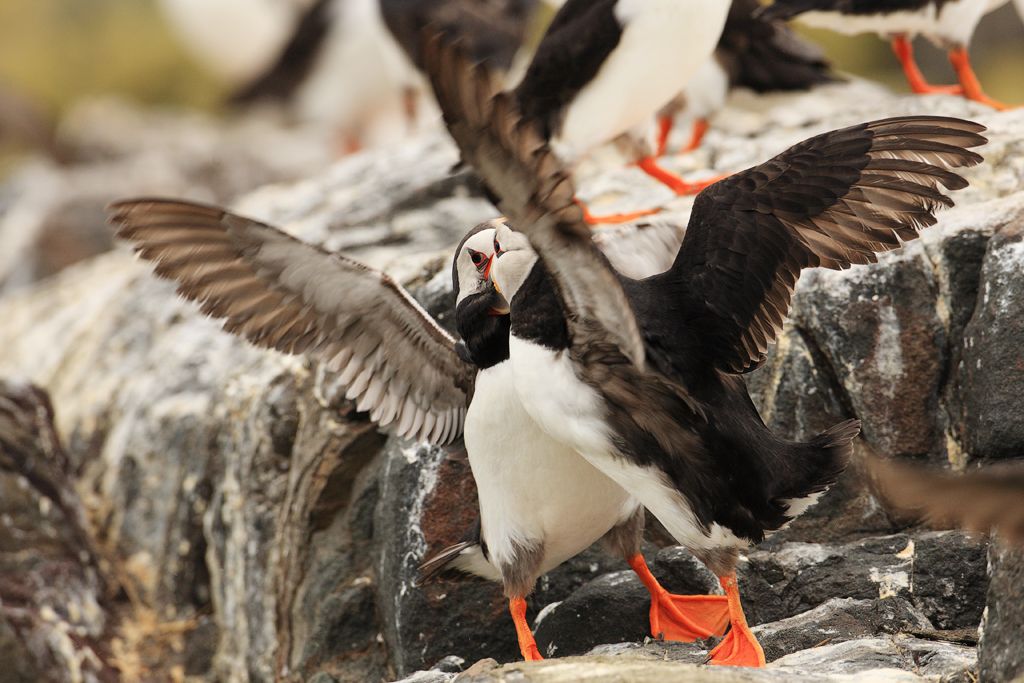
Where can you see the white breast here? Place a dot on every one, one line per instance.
(533, 489)
(574, 413)
(663, 44)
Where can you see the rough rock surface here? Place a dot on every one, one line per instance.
(1001, 656)
(267, 530)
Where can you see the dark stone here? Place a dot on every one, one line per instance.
(950, 578)
(201, 647)
(941, 573)
(991, 374)
(610, 609)
(18, 665)
(615, 607)
(1001, 654)
(836, 621)
(880, 332)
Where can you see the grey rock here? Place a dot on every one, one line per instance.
(943, 661)
(836, 621)
(941, 573)
(1001, 657)
(991, 372)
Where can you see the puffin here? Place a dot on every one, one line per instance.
(540, 502)
(603, 70)
(949, 24)
(754, 53)
(644, 377)
(354, 64)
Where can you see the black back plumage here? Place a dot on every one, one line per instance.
(833, 200)
(767, 56)
(295, 61)
(576, 44)
(787, 9)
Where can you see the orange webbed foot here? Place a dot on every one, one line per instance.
(682, 618)
(739, 647)
(686, 618)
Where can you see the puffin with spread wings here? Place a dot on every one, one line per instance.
(540, 502)
(644, 377)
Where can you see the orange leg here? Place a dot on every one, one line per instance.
(739, 647)
(971, 87)
(527, 645)
(684, 618)
(904, 50)
(664, 130)
(592, 219)
(649, 166)
(700, 129)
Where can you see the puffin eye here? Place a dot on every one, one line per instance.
(479, 259)
(497, 247)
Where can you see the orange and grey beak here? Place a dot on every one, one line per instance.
(487, 270)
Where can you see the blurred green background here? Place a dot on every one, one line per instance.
(58, 51)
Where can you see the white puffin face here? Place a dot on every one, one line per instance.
(514, 258)
(473, 262)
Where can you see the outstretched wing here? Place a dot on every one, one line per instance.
(535, 191)
(281, 293)
(833, 200)
(983, 500)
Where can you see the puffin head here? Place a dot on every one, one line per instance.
(514, 259)
(481, 314)
(474, 256)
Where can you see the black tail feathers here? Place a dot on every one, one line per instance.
(441, 563)
(819, 462)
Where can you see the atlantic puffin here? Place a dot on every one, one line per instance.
(754, 53)
(949, 24)
(540, 502)
(353, 64)
(644, 377)
(605, 67)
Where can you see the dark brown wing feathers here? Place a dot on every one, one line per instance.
(536, 192)
(280, 293)
(832, 201)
